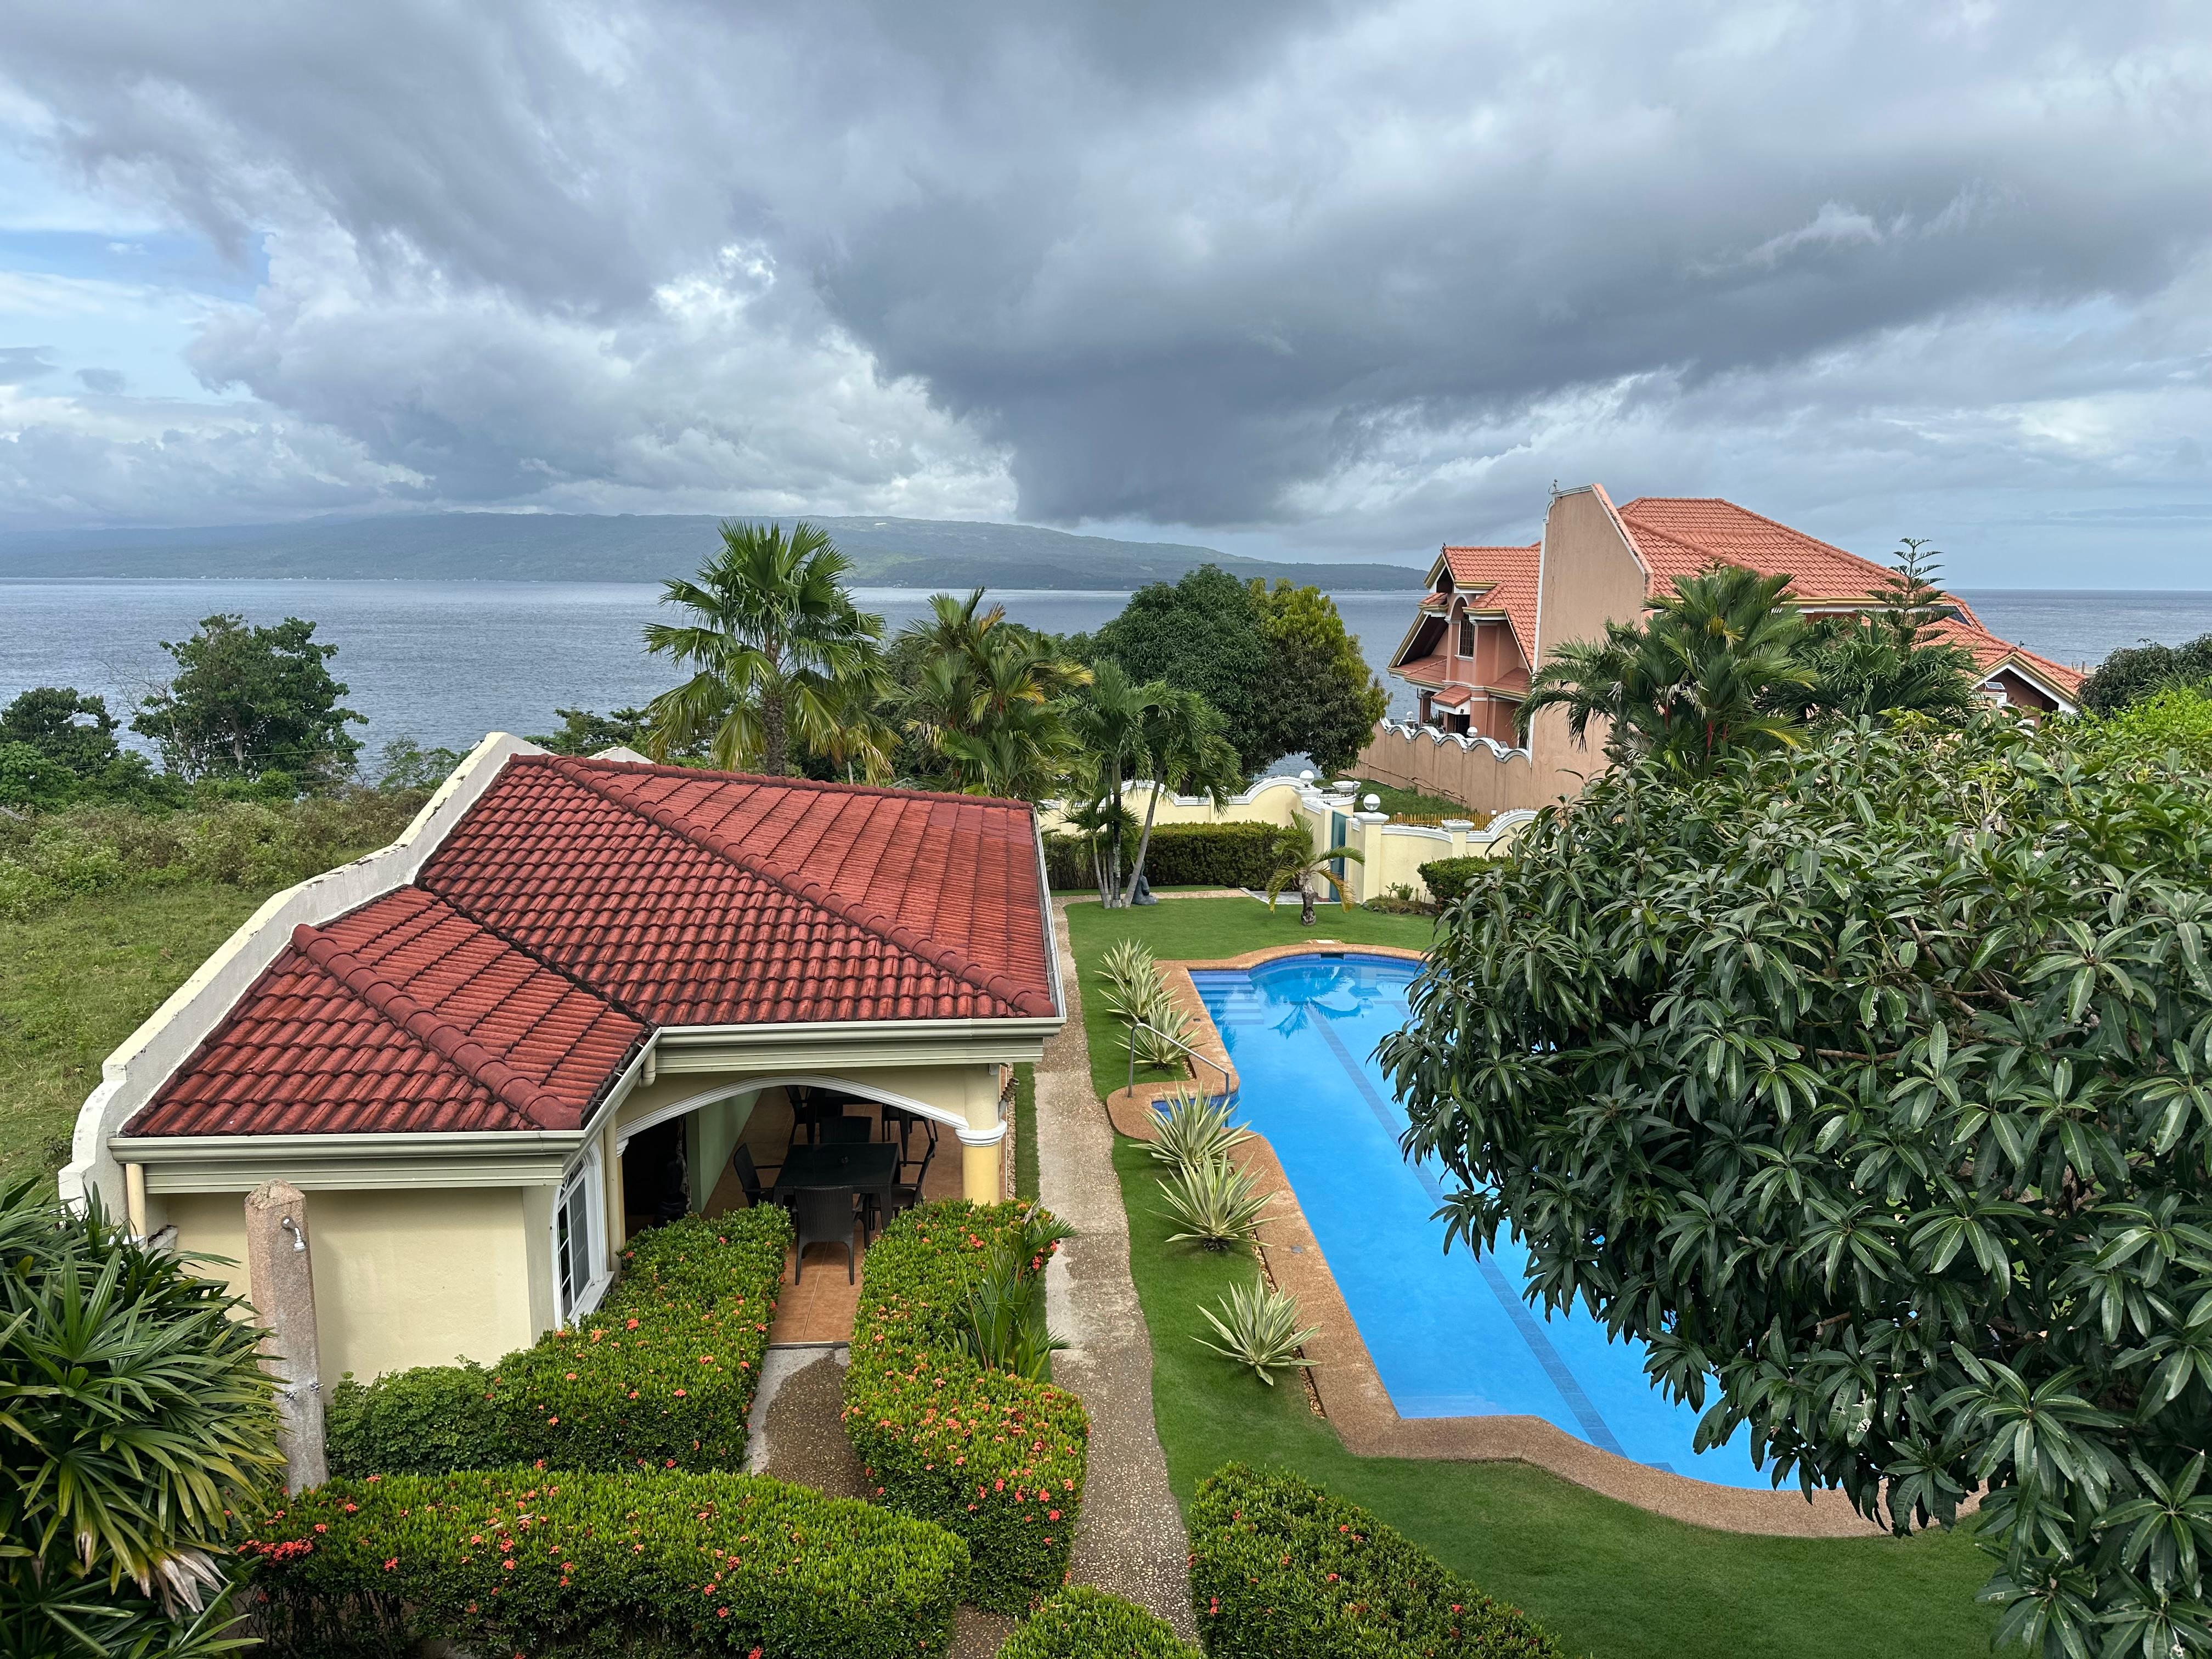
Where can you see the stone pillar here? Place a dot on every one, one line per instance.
(1366, 878)
(1458, 829)
(281, 1284)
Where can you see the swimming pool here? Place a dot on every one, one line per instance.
(1449, 1334)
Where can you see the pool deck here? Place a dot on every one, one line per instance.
(1350, 1388)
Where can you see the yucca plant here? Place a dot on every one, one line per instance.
(1194, 1130)
(1214, 1204)
(1259, 1327)
(136, 1428)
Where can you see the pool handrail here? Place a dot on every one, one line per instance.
(1136, 1026)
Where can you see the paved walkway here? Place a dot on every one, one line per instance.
(1130, 1538)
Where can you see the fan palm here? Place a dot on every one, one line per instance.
(1713, 667)
(1182, 733)
(779, 655)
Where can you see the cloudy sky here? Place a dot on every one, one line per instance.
(1322, 280)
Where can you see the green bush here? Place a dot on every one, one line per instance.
(1449, 878)
(518, 1560)
(661, 1375)
(1180, 855)
(1081, 1623)
(47, 857)
(1280, 1570)
(994, 1457)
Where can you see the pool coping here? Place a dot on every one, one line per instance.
(1351, 1389)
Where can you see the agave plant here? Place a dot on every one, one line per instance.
(1259, 1327)
(1129, 969)
(1163, 1036)
(1214, 1204)
(1194, 1130)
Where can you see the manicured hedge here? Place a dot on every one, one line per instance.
(994, 1457)
(1081, 1623)
(1449, 878)
(1180, 855)
(514, 1561)
(660, 1376)
(1280, 1570)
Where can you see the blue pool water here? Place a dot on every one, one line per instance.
(1449, 1333)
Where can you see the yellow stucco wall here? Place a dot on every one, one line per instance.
(403, 1278)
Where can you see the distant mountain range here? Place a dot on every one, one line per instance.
(579, 547)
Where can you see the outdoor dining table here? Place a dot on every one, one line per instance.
(866, 1167)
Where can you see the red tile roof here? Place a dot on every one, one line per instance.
(1510, 573)
(404, 1015)
(1679, 537)
(578, 904)
(1992, 653)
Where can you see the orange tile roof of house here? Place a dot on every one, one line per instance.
(1991, 653)
(1679, 536)
(1510, 573)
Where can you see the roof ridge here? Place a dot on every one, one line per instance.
(456, 1047)
(600, 992)
(821, 785)
(1022, 999)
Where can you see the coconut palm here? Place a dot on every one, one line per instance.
(1108, 719)
(1713, 667)
(779, 657)
(1182, 733)
(985, 708)
(1297, 864)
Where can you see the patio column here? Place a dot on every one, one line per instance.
(980, 1180)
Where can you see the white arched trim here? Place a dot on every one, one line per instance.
(753, 1085)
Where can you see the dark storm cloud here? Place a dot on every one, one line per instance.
(1315, 266)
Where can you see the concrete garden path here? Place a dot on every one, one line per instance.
(1129, 1538)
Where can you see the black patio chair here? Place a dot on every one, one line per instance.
(807, 1117)
(900, 1120)
(905, 1194)
(749, 1176)
(825, 1216)
(846, 1131)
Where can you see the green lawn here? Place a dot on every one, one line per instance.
(1611, 1581)
(73, 983)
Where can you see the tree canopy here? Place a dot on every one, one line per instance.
(1869, 1084)
(248, 700)
(1202, 633)
(980, 701)
(2129, 675)
(1320, 698)
(77, 732)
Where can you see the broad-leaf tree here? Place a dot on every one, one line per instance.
(1202, 633)
(1711, 668)
(780, 658)
(136, 1435)
(248, 700)
(2136, 671)
(77, 732)
(1869, 1084)
(1319, 699)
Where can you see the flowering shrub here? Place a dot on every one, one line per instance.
(1279, 1567)
(660, 1376)
(510, 1562)
(1081, 1623)
(996, 1459)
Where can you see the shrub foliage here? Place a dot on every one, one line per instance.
(1081, 1623)
(1180, 855)
(1449, 878)
(504, 1562)
(1870, 1085)
(660, 1376)
(1281, 1569)
(993, 1456)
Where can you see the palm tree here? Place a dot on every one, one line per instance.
(1297, 864)
(985, 705)
(779, 654)
(1183, 734)
(1714, 666)
(1108, 717)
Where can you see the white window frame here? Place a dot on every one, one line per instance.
(580, 1196)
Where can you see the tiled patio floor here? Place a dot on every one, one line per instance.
(819, 1308)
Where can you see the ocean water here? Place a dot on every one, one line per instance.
(446, 662)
